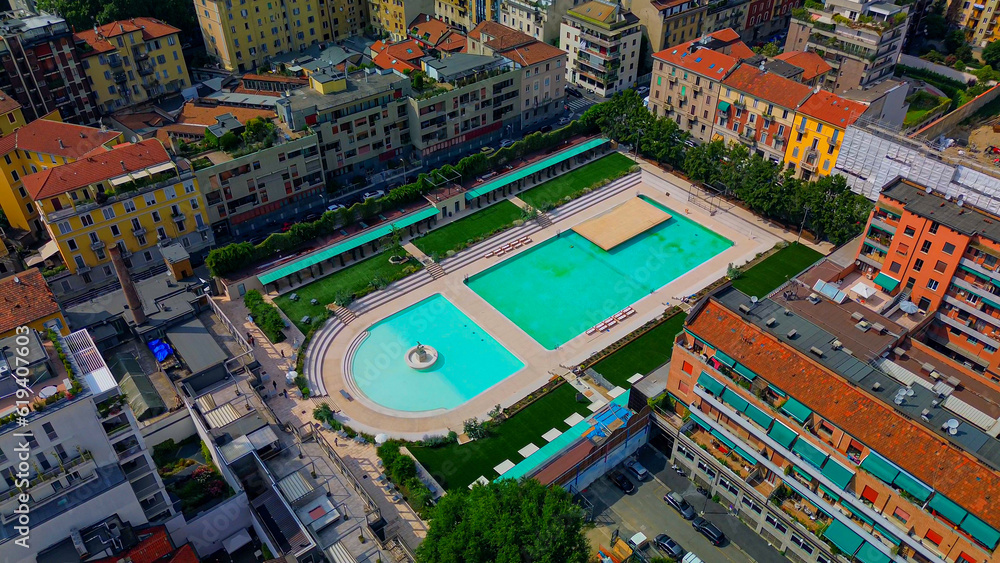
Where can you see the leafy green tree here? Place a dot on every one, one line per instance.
(257, 130)
(702, 163)
(953, 41)
(506, 521)
(991, 54)
(771, 49)
(83, 14)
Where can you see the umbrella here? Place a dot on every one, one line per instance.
(381, 438)
(908, 307)
(863, 290)
(290, 377)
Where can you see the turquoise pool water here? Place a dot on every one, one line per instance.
(470, 360)
(560, 288)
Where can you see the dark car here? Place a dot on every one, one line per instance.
(669, 546)
(680, 505)
(570, 91)
(622, 482)
(709, 530)
(545, 129)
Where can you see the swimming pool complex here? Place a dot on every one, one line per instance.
(560, 288)
(469, 359)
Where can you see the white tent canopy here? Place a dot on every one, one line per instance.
(863, 291)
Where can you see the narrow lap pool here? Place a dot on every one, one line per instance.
(469, 359)
(566, 285)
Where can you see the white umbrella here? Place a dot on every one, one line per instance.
(908, 307)
(290, 377)
(381, 438)
(863, 290)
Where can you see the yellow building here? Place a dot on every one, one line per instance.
(465, 14)
(817, 133)
(10, 114)
(36, 147)
(133, 196)
(978, 19)
(131, 61)
(393, 16)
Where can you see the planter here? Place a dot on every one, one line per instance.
(398, 259)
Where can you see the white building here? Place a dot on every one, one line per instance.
(603, 44)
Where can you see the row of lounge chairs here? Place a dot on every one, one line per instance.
(611, 321)
(509, 247)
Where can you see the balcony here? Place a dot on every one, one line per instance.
(590, 38)
(810, 163)
(66, 467)
(721, 452)
(97, 245)
(881, 224)
(145, 70)
(878, 241)
(115, 62)
(139, 54)
(120, 77)
(141, 231)
(672, 78)
(178, 216)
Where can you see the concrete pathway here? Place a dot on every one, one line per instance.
(416, 252)
(520, 203)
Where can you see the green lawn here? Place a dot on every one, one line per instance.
(552, 192)
(454, 236)
(784, 264)
(352, 280)
(456, 466)
(642, 355)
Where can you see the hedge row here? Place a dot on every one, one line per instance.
(237, 256)
(402, 471)
(265, 316)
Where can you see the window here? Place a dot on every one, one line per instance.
(908, 231)
(803, 544)
(109, 213)
(115, 231)
(156, 216)
(87, 220)
(64, 228)
(49, 431)
(71, 244)
(932, 285)
(934, 537)
(949, 248)
(894, 267)
(934, 227)
(752, 505)
(775, 524)
(129, 206)
(150, 199)
(940, 266)
(901, 515)
(925, 247)
(687, 368)
(870, 494)
(918, 265)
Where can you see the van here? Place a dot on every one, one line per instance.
(691, 558)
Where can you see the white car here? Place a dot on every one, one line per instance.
(642, 91)
(636, 468)
(564, 120)
(506, 143)
(376, 193)
(334, 207)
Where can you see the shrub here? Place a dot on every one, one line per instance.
(265, 316)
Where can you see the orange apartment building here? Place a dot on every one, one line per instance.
(803, 439)
(942, 255)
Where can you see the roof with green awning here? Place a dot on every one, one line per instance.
(912, 486)
(943, 506)
(710, 384)
(526, 171)
(809, 453)
(723, 358)
(777, 391)
(746, 455)
(698, 420)
(759, 416)
(782, 434)
(843, 537)
(724, 106)
(858, 514)
(871, 554)
(829, 493)
(733, 398)
(887, 534)
(837, 473)
(796, 410)
(745, 372)
(874, 464)
(980, 275)
(886, 282)
(729, 443)
(804, 475)
(982, 532)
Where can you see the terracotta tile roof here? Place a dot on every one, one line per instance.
(185, 554)
(931, 459)
(44, 136)
(768, 86)
(534, 53)
(7, 103)
(453, 42)
(397, 56)
(832, 109)
(428, 29)
(275, 78)
(728, 35)
(98, 37)
(95, 167)
(154, 547)
(740, 50)
(25, 300)
(705, 62)
(499, 37)
(388, 62)
(197, 114)
(597, 10)
(811, 64)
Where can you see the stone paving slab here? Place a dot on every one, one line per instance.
(574, 419)
(527, 450)
(614, 393)
(635, 378)
(551, 435)
(505, 466)
(597, 405)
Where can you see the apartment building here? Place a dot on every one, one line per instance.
(687, 79)
(466, 14)
(89, 460)
(41, 68)
(133, 196)
(757, 108)
(132, 61)
(861, 40)
(812, 66)
(31, 304)
(364, 127)
(669, 22)
(480, 105)
(540, 20)
(542, 68)
(819, 127)
(767, 17)
(392, 16)
(725, 14)
(36, 147)
(827, 456)
(438, 37)
(11, 116)
(602, 40)
(978, 19)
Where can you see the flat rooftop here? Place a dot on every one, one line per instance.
(965, 219)
(360, 85)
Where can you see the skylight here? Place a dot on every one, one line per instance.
(698, 60)
(711, 66)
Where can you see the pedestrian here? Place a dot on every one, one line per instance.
(275, 383)
(282, 352)
(336, 442)
(248, 336)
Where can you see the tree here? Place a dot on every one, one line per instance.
(953, 41)
(991, 54)
(257, 130)
(506, 521)
(771, 49)
(703, 161)
(83, 14)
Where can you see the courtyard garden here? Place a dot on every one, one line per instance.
(572, 184)
(765, 276)
(469, 230)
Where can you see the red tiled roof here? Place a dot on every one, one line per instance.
(811, 64)
(767, 86)
(729, 35)
(705, 62)
(25, 300)
(453, 42)
(499, 37)
(832, 109)
(185, 554)
(95, 167)
(398, 56)
(533, 53)
(7, 103)
(155, 547)
(952, 472)
(44, 136)
(98, 37)
(740, 50)
(275, 78)
(428, 29)
(388, 62)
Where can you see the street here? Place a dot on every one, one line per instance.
(645, 511)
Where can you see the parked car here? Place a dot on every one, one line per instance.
(669, 546)
(622, 482)
(709, 530)
(642, 90)
(680, 505)
(286, 227)
(487, 150)
(310, 218)
(372, 195)
(334, 207)
(691, 558)
(564, 120)
(570, 91)
(636, 468)
(637, 541)
(545, 129)
(506, 143)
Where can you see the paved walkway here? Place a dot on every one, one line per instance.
(416, 252)
(519, 202)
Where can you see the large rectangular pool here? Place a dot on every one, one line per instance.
(560, 288)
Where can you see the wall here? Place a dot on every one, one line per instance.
(945, 124)
(176, 426)
(917, 62)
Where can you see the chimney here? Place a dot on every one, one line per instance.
(124, 169)
(128, 288)
(61, 145)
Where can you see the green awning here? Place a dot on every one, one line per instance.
(777, 391)
(796, 410)
(526, 171)
(809, 453)
(887, 534)
(874, 464)
(871, 554)
(723, 358)
(782, 434)
(804, 475)
(759, 416)
(886, 282)
(729, 443)
(951, 511)
(710, 384)
(745, 372)
(837, 473)
(698, 420)
(746, 455)
(991, 303)
(733, 398)
(843, 537)
(829, 493)
(981, 531)
(979, 275)
(724, 106)
(912, 486)
(858, 514)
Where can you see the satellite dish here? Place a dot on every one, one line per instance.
(134, 139)
(753, 299)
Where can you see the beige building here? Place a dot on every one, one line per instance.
(390, 17)
(669, 22)
(540, 20)
(602, 40)
(465, 14)
(726, 14)
(542, 68)
(686, 80)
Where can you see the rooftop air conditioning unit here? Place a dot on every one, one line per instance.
(792, 333)
(816, 351)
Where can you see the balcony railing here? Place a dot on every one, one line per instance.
(97, 245)
(51, 474)
(115, 62)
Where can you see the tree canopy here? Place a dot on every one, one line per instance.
(83, 14)
(991, 54)
(625, 119)
(506, 522)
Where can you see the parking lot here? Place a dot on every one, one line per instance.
(645, 511)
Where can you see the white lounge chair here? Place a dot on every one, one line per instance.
(591, 330)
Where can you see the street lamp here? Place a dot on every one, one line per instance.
(635, 150)
(803, 225)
